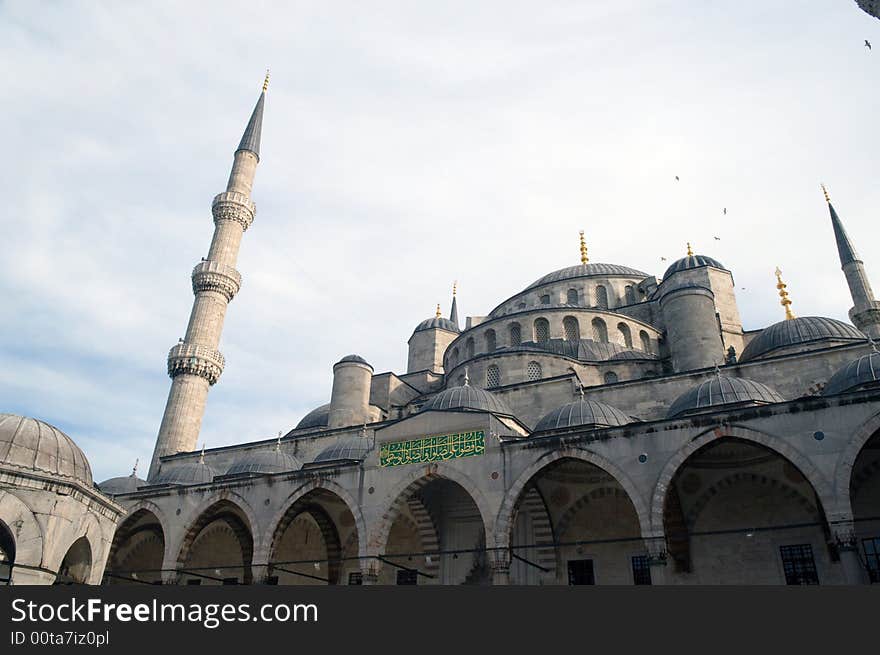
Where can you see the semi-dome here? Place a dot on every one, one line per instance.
(437, 323)
(186, 474)
(260, 462)
(721, 390)
(799, 331)
(124, 484)
(317, 418)
(857, 374)
(583, 413)
(467, 397)
(587, 270)
(345, 449)
(692, 261)
(29, 444)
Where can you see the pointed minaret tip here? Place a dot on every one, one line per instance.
(825, 191)
(250, 140)
(266, 81)
(453, 310)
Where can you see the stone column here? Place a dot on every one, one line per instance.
(848, 546)
(31, 576)
(658, 560)
(499, 565)
(370, 571)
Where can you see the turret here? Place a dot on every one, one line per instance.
(350, 397)
(195, 363)
(865, 313)
(430, 340)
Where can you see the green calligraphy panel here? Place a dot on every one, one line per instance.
(432, 449)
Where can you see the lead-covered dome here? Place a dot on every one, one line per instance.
(467, 397)
(124, 484)
(692, 261)
(29, 444)
(437, 323)
(261, 462)
(722, 391)
(186, 474)
(317, 418)
(799, 332)
(858, 374)
(583, 413)
(354, 359)
(587, 270)
(345, 449)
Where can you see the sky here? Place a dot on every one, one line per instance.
(405, 145)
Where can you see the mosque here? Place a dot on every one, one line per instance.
(599, 426)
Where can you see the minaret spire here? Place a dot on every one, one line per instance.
(865, 313)
(195, 363)
(453, 311)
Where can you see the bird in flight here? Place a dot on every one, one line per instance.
(724, 211)
(717, 238)
(676, 178)
(867, 44)
(663, 259)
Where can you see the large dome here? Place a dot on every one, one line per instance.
(467, 397)
(263, 461)
(587, 270)
(862, 372)
(692, 261)
(798, 331)
(722, 390)
(32, 445)
(585, 413)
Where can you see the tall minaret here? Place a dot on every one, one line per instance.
(195, 364)
(865, 313)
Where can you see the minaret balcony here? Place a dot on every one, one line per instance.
(214, 276)
(192, 359)
(233, 206)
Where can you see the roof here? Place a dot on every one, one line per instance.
(357, 359)
(33, 445)
(124, 484)
(722, 390)
(345, 448)
(263, 461)
(858, 373)
(587, 413)
(692, 261)
(797, 331)
(467, 397)
(437, 323)
(317, 418)
(587, 270)
(250, 140)
(185, 474)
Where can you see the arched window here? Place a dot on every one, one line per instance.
(469, 348)
(493, 377)
(542, 330)
(646, 341)
(600, 331)
(515, 334)
(601, 297)
(572, 296)
(490, 340)
(533, 371)
(610, 377)
(625, 335)
(571, 328)
(453, 359)
(545, 299)
(630, 294)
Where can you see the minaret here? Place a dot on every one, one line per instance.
(865, 313)
(195, 364)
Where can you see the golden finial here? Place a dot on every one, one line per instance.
(438, 310)
(785, 302)
(202, 455)
(825, 191)
(454, 287)
(266, 81)
(584, 258)
(135, 469)
(690, 250)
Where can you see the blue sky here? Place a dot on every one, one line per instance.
(405, 145)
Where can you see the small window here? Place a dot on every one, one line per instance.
(493, 377)
(533, 371)
(491, 341)
(601, 297)
(799, 565)
(630, 294)
(571, 328)
(515, 334)
(545, 299)
(580, 572)
(646, 341)
(600, 331)
(469, 348)
(610, 377)
(407, 577)
(641, 570)
(625, 335)
(572, 297)
(872, 558)
(356, 578)
(542, 330)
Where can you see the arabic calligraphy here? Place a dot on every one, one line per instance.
(432, 449)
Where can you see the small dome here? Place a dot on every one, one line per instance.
(587, 270)
(263, 461)
(32, 445)
(317, 418)
(586, 413)
(186, 474)
(357, 359)
(798, 331)
(692, 261)
(345, 449)
(438, 323)
(467, 397)
(860, 373)
(723, 390)
(124, 484)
